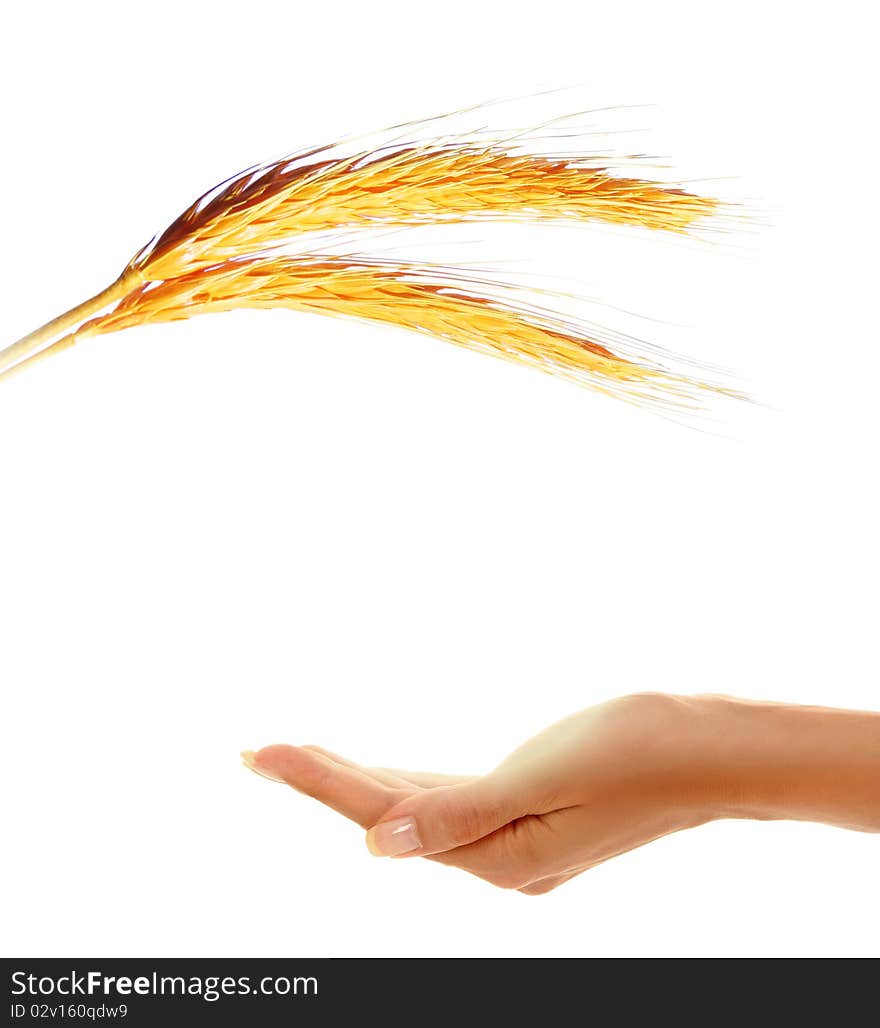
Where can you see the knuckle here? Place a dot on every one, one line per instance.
(540, 888)
(640, 701)
(315, 782)
(507, 878)
(460, 819)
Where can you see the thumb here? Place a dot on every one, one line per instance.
(446, 817)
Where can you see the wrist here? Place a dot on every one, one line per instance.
(770, 761)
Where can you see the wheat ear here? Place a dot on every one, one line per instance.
(221, 252)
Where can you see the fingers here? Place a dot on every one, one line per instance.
(392, 776)
(425, 779)
(347, 790)
(381, 774)
(480, 825)
(446, 817)
(520, 855)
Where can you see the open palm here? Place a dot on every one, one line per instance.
(601, 782)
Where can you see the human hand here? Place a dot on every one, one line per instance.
(605, 781)
(599, 783)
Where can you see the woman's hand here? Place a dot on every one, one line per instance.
(605, 781)
(595, 785)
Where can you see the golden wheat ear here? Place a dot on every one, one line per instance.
(214, 254)
(473, 311)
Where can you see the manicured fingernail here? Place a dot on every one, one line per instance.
(392, 838)
(248, 758)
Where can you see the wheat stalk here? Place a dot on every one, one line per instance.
(221, 253)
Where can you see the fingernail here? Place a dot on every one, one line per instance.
(249, 759)
(392, 838)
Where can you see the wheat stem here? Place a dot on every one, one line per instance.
(34, 342)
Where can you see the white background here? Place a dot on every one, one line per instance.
(264, 527)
